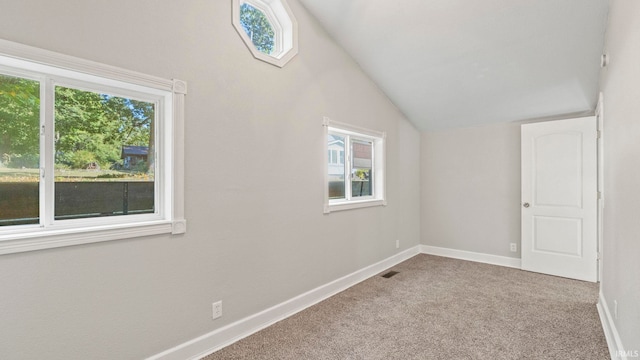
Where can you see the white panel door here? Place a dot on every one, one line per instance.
(559, 198)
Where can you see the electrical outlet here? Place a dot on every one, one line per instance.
(615, 309)
(397, 244)
(217, 309)
(513, 247)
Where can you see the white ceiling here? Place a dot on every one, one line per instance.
(456, 63)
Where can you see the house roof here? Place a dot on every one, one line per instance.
(128, 150)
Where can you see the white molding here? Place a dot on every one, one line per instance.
(66, 62)
(353, 204)
(179, 227)
(219, 338)
(39, 241)
(471, 256)
(353, 129)
(616, 349)
(179, 86)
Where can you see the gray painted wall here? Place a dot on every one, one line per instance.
(252, 244)
(621, 89)
(471, 189)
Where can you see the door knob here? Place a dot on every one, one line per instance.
(525, 205)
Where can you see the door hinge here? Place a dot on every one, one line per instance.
(598, 256)
(599, 195)
(598, 134)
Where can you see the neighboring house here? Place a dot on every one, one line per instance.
(132, 155)
(336, 158)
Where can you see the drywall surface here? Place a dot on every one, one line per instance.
(621, 251)
(257, 235)
(471, 189)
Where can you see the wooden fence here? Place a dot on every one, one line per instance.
(358, 188)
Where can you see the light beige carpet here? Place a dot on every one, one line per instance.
(440, 308)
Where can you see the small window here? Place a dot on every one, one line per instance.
(355, 167)
(268, 28)
(257, 26)
(84, 155)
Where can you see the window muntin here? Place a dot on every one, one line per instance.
(364, 153)
(50, 70)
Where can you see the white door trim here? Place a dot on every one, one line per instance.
(600, 117)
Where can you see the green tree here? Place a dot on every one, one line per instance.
(89, 126)
(136, 124)
(257, 26)
(19, 118)
(92, 125)
(83, 131)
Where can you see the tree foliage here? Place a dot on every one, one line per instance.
(257, 26)
(89, 126)
(19, 119)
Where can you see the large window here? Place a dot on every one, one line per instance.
(87, 152)
(355, 167)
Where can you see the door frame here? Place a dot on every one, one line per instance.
(600, 148)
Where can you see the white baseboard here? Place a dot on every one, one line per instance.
(227, 335)
(471, 256)
(616, 349)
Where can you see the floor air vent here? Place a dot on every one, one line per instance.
(389, 274)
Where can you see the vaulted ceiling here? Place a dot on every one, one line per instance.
(457, 63)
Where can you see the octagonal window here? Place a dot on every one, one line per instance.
(268, 28)
(258, 28)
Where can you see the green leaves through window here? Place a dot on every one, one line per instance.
(257, 26)
(19, 150)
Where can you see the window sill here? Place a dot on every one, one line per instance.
(39, 240)
(348, 205)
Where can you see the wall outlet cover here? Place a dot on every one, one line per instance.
(217, 309)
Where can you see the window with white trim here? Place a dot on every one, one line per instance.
(88, 152)
(355, 167)
(268, 28)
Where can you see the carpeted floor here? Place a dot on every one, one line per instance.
(440, 308)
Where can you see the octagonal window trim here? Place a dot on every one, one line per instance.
(284, 25)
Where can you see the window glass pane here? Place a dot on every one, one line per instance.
(19, 150)
(336, 171)
(257, 26)
(362, 164)
(104, 163)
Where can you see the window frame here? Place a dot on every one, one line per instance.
(53, 69)
(356, 133)
(284, 24)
